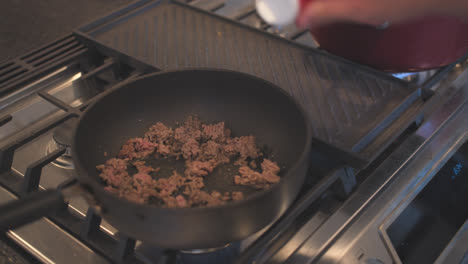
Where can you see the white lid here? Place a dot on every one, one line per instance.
(278, 12)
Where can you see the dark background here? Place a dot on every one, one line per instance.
(28, 24)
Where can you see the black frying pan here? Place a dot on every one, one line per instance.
(247, 104)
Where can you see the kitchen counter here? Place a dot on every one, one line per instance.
(27, 25)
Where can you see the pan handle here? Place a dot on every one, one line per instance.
(33, 207)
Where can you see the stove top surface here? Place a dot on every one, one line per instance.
(77, 79)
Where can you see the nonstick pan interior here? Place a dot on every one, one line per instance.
(262, 112)
(246, 104)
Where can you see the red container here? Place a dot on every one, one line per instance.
(418, 45)
(413, 46)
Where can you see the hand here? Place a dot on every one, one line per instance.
(376, 12)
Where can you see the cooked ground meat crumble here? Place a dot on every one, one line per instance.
(203, 147)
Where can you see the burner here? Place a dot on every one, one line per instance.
(224, 254)
(62, 137)
(417, 78)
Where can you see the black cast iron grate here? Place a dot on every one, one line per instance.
(35, 64)
(87, 230)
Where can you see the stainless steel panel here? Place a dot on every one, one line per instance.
(48, 242)
(385, 193)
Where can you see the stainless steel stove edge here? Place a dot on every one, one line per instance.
(358, 227)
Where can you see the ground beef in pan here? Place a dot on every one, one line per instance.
(213, 151)
(216, 132)
(163, 150)
(203, 147)
(201, 198)
(263, 180)
(137, 188)
(190, 130)
(237, 196)
(270, 167)
(142, 168)
(181, 201)
(136, 148)
(114, 172)
(167, 186)
(145, 186)
(190, 149)
(159, 133)
(245, 147)
(252, 164)
(193, 183)
(199, 168)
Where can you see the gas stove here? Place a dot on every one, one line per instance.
(411, 132)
